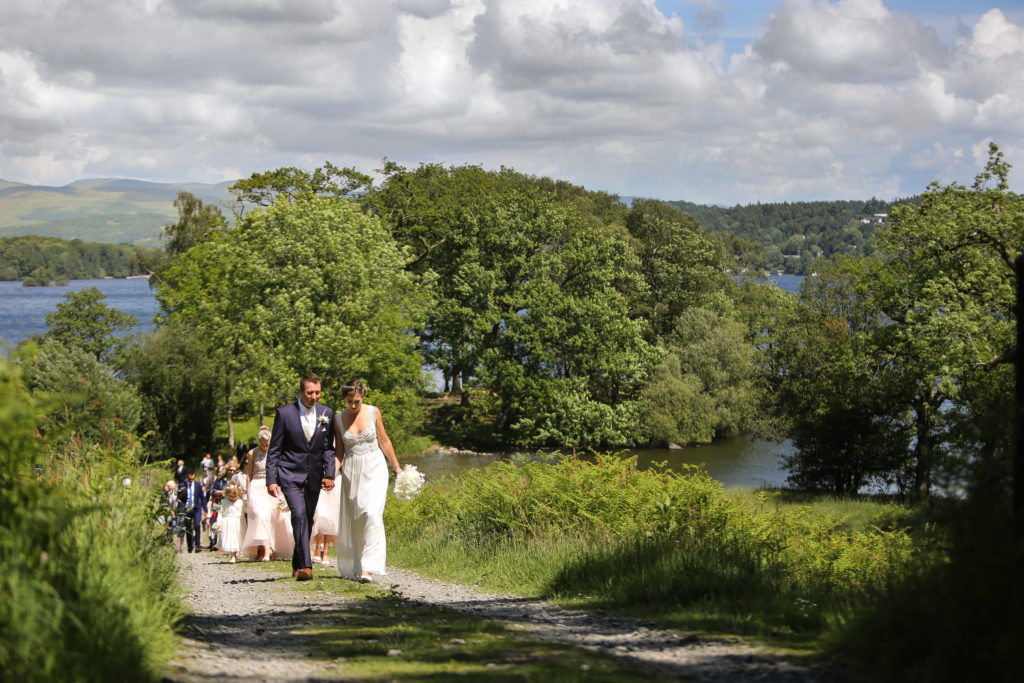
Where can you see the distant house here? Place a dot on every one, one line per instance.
(877, 219)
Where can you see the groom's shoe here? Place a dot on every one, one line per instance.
(303, 574)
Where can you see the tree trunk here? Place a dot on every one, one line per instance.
(231, 426)
(924, 450)
(1018, 450)
(259, 384)
(456, 389)
(464, 395)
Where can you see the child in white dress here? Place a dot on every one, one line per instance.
(231, 523)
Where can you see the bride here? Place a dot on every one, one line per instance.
(362, 446)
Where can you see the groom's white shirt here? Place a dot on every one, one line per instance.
(308, 418)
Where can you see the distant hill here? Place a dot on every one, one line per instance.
(793, 234)
(99, 210)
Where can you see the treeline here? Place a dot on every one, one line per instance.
(42, 260)
(558, 316)
(793, 235)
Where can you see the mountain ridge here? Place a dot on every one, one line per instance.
(99, 209)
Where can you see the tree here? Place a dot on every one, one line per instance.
(196, 222)
(83, 321)
(177, 374)
(530, 304)
(705, 386)
(926, 332)
(267, 188)
(313, 285)
(958, 250)
(93, 406)
(680, 262)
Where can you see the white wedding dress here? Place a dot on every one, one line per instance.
(364, 489)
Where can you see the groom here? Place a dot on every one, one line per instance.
(300, 462)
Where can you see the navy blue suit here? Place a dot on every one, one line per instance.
(192, 517)
(299, 467)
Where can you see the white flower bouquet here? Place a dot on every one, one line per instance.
(409, 482)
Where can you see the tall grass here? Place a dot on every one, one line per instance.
(87, 586)
(608, 534)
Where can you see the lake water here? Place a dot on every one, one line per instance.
(738, 462)
(790, 283)
(23, 309)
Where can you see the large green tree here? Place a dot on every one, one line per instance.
(840, 396)
(914, 345)
(308, 284)
(530, 306)
(956, 255)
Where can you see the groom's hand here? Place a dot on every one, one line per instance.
(328, 484)
(274, 490)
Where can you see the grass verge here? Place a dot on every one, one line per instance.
(673, 549)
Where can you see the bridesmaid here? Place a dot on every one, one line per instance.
(267, 534)
(232, 526)
(325, 519)
(365, 451)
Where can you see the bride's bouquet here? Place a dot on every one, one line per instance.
(282, 505)
(409, 482)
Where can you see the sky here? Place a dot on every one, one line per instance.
(710, 101)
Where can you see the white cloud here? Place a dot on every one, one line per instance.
(831, 100)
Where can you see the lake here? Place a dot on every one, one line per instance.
(23, 309)
(738, 462)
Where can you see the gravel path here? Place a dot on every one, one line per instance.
(245, 616)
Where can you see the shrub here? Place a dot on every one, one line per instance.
(87, 587)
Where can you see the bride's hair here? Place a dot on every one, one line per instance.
(353, 386)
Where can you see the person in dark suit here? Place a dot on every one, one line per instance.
(180, 473)
(300, 462)
(191, 502)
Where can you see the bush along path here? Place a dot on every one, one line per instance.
(253, 621)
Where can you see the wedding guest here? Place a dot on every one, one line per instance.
(325, 519)
(190, 508)
(207, 463)
(171, 494)
(170, 505)
(180, 473)
(262, 538)
(365, 451)
(231, 523)
(213, 507)
(237, 475)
